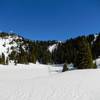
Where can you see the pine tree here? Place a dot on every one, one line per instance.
(6, 61)
(65, 68)
(3, 59)
(84, 59)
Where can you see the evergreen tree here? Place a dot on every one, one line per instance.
(65, 68)
(6, 61)
(84, 59)
(3, 59)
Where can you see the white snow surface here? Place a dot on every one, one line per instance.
(95, 38)
(35, 82)
(97, 61)
(52, 47)
(96, 35)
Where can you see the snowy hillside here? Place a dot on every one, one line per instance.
(9, 43)
(95, 38)
(24, 51)
(28, 81)
(35, 82)
(5, 46)
(52, 47)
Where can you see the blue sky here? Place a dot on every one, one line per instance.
(50, 19)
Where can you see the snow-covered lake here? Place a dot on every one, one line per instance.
(37, 82)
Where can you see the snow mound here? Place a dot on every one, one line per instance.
(34, 82)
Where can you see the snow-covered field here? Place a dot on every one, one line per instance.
(37, 82)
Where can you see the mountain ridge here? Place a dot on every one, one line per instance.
(20, 50)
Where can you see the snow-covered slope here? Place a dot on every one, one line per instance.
(52, 47)
(8, 44)
(35, 82)
(95, 37)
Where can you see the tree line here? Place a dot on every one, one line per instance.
(81, 51)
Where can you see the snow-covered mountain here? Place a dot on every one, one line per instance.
(14, 47)
(20, 50)
(9, 43)
(43, 82)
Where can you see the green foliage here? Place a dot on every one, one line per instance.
(84, 58)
